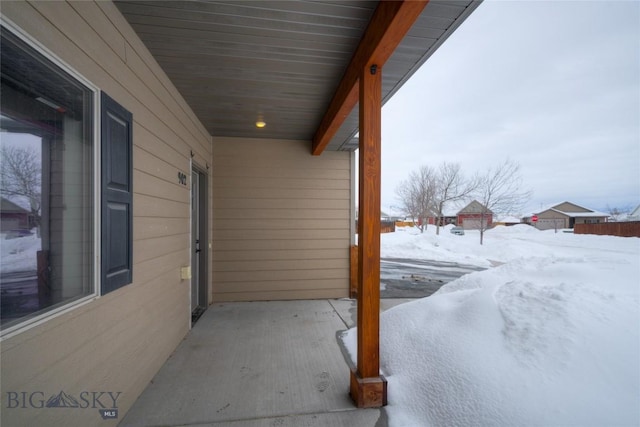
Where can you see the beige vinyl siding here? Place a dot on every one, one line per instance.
(116, 342)
(281, 221)
(570, 207)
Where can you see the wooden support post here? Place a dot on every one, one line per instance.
(368, 387)
(353, 273)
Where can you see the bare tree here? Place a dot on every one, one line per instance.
(417, 195)
(405, 193)
(618, 214)
(20, 170)
(500, 191)
(451, 185)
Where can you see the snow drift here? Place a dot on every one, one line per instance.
(541, 340)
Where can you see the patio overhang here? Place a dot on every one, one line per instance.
(300, 68)
(283, 61)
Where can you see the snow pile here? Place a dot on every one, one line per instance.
(501, 244)
(514, 229)
(408, 242)
(550, 340)
(19, 254)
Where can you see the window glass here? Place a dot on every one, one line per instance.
(46, 188)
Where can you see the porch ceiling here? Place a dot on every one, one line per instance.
(237, 61)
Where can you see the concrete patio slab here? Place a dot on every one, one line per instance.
(257, 364)
(351, 418)
(346, 308)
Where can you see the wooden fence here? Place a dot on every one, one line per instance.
(385, 227)
(622, 229)
(405, 223)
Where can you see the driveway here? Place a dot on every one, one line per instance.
(411, 278)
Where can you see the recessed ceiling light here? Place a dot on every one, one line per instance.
(260, 124)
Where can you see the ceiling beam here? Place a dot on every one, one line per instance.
(389, 24)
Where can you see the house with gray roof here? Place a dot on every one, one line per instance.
(566, 215)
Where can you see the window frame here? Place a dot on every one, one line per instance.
(97, 197)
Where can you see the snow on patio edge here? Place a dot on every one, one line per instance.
(545, 339)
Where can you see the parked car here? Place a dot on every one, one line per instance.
(458, 231)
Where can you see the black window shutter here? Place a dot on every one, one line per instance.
(117, 195)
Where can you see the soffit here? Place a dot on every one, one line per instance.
(237, 61)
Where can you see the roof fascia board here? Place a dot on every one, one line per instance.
(389, 24)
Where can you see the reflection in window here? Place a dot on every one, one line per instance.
(46, 188)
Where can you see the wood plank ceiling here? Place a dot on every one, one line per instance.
(237, 62)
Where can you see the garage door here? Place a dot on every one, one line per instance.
(471, 224)
(10, 224)
(549, 223)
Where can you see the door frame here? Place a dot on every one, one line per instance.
(202, 273)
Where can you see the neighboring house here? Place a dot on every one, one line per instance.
(162, 125)
(450, 214)
(389, 218)
(566, 215)
(471, 216)
(444, 220)
(14, 217)
(634, 215)
(447, 218)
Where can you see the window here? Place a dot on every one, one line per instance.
(48, 209)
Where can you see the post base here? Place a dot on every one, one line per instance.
(368, 392)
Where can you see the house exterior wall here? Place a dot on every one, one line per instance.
(117, 342)
(281, 221)
(444, 220)
(590, 220)
(14, 217)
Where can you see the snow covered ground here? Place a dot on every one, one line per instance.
(548, 337)
(19, 254)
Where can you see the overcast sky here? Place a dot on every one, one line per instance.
(553, 85)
